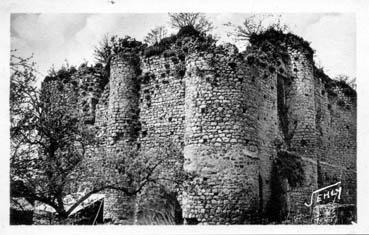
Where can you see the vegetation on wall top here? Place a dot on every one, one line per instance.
(66, 72)
(180, 40)
(281, 40)
(331, 84)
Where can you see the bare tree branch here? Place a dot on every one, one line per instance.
(197, 20)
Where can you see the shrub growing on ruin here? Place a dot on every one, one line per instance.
(197, 21)
(155, 35)
(64, 73)
(188, 31)
(280, 40)
(255, 25)
(347, 84)
(114, 45)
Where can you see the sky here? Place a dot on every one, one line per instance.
(54, 39)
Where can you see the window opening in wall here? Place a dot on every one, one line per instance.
(144, 133)
(303, 143)
(203, 110)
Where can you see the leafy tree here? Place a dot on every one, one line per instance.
(138, 172)
(52, 153)
(197, 20)
(47, 143)
(155, 35)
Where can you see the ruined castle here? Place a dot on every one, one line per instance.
(230, 111)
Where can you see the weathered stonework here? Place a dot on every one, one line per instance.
(334, 213)
(221, 107)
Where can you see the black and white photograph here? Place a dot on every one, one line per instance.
(183, 118)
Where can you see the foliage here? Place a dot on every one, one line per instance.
(287, 168)
(254, 25)
(347, 84)
(155, 35)
(187, 38)
(63, 74)
(281, 40)
(52, 153)
(197, 20)
(154, 50)
(140, 174)
(273, 38)
(132, 169)
(344, 82)
(113, 45)
(188, 31)
(103, 50)
(45, 149)
(159, 48)
(164, 209)
(22, 86)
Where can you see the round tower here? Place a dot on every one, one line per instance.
(302, 102)
(123, 125)
(302, 123)
(220, 141)
(123, 98)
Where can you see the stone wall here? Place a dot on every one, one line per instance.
(221, 107)
(219, 142)
(302, 126)
(336, 131)
(334, 213)
(161, 101)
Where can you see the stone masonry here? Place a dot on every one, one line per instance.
(221, 107)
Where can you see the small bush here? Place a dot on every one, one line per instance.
(153, 50)
(281, 39)
(346, 89)
(168, 40)
(188, 31)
